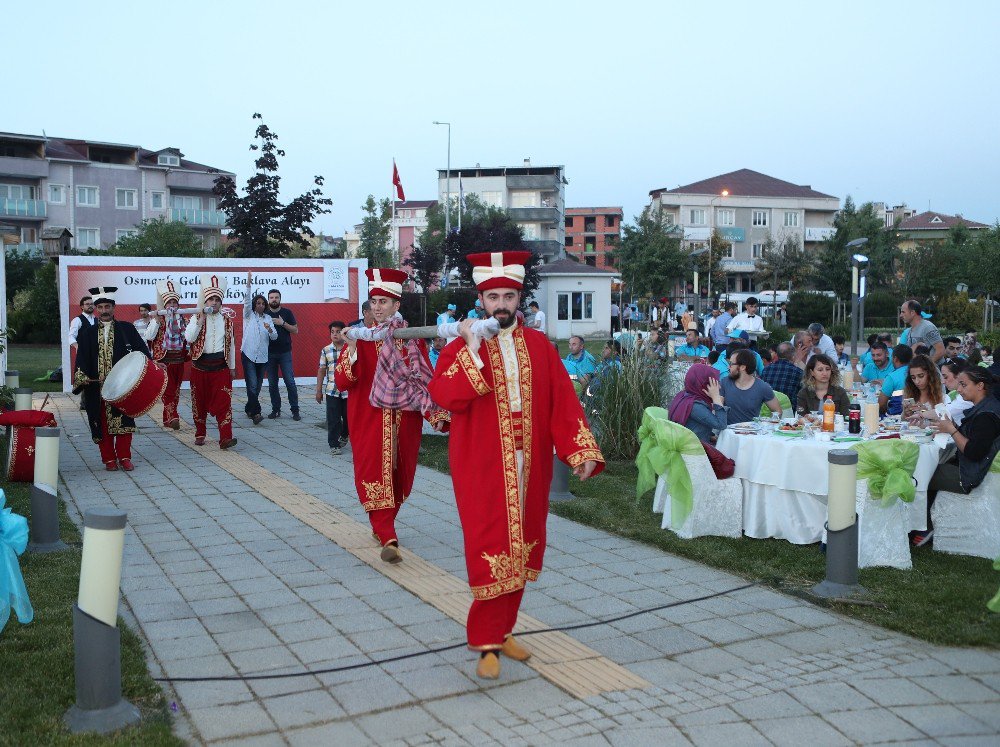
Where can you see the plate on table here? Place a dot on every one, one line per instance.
(841, 438)
(745, 429)
(789, 432)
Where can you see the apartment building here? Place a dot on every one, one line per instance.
(592, 233)
(101, 191)
(409, 221)
(746, 208)
(930, 227)
(533, 196)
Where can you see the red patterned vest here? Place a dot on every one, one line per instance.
(198, 346)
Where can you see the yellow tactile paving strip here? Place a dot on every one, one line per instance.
(562, 660)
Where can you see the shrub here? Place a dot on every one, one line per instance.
(34, 312)
(804, 308)
(958, 312)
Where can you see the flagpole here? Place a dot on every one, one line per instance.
(461, 202)
(393, 242)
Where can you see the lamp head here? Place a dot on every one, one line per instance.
(857, 242)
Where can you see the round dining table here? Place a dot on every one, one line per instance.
(785, 482)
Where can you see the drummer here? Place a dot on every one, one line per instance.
(101, 346)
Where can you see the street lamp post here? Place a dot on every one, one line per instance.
(711, 230)
(447, 202)
(857, 261)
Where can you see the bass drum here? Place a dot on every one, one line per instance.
(135, 384)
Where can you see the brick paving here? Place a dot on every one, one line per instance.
(233, 567)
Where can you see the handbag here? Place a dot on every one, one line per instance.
(723, 466)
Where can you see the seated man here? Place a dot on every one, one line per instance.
(743, 392)
(737, 344)
(879, 367)
(580, 364)
(692, 349)
(952, 348)
(783, 375)
(890, 399)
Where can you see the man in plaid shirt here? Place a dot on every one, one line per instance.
(783, 375)
(326, 384)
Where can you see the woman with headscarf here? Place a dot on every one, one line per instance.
(701, 407)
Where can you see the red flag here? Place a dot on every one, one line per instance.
(396, 181)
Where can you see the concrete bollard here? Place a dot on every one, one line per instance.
(44, 494)
(22, 398)
(559, 489)
(12, 379)
(96, 639)
(841, 580)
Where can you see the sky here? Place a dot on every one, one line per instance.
(884, 101)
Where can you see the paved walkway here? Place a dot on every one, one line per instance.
(257, 561)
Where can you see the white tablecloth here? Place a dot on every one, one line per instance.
(785, 483)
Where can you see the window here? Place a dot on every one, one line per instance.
(609, 221)
(791, 219)
(668, 219)
(185, 202)
(728, 252)
(17, 192)
(569, 221)
(757, 250)
(569, 241)
(697, 217)
(88, 197)
(726, 217)
(166, 159)
(57, 194)
(531, 230)
(156, 200)
(125, 198)
(121, 233)
(760, 218)
(523, 199)
(575, 307)
(88, 238)
(492, 199)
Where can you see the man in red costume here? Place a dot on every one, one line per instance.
(165, 335)
(511, 402)
(213, 362)
(384, 441)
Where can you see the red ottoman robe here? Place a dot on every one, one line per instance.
(380, 482)
(505, 544)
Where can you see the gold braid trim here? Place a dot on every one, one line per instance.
(475, 376)
(587, 455)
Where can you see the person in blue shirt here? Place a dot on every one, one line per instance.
(448, 315)
(692, 349)
(476, 312)
(719, 337)
(437, 345)
(579, 363)
(879, 366)
(722, 365)
(888, 402)
(843, 359)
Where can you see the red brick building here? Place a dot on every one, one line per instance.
(591, 232)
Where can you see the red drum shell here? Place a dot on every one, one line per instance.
(135, 384)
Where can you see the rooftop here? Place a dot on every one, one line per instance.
(745, 183)
(571, 267)
(931, 221)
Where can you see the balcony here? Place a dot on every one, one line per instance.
(12, 208)
(549, 215)
(199, 218)
(535, 181)
(545, 247)
(31, 249)
(24, 168)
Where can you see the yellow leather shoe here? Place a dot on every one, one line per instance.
(390, 554)
(514, 650)
(489, 666)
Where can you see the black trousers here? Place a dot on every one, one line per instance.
(336, 420)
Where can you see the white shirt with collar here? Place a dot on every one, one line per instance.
(74, 326)
(746, 322)
(215, 336)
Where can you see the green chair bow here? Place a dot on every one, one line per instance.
(888, 466)
(786, 404)
(662, 444)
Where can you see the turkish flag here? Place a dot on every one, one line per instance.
(396, 181)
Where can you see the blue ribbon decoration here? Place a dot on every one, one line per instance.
(13, 540)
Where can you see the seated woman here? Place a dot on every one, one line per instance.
(949, 376)
(923, 386)
(822, 379)
(700, 407)
(977, 439)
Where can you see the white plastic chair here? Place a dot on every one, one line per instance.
(718, 504)
(969, 524)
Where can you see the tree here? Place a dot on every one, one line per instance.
(34, 313)
(260, 225)
(485, 229)
(833, 263)
(784, 262)
(376, 231)
(157, 238)
(650, 257)
(21, 268)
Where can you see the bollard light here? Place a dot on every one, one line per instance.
(44, 522)
(841, 580)
(12, 379)
(96, 639)
(559, 488)
(22, 398)
(47, 458)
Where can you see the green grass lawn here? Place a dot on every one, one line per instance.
(35, 361)
(941, 600)
(36, 660)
